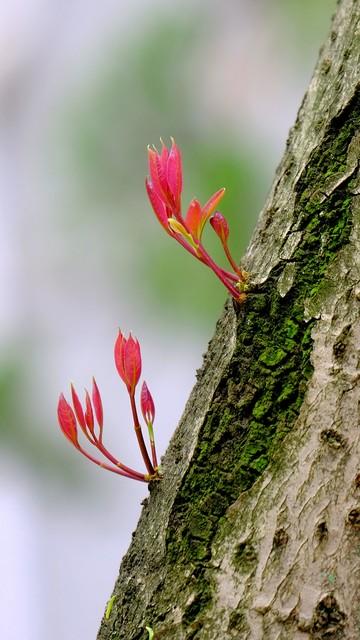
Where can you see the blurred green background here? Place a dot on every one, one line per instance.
(84, 90)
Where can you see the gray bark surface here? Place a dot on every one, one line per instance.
(254, 531)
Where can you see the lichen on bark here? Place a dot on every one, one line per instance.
(244, 537)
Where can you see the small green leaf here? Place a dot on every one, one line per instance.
(109, 607)
(150, 632)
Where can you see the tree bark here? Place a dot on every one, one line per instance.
(254, 531)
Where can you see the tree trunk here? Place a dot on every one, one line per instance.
(254, 532)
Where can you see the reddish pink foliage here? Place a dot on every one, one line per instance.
(147, 404)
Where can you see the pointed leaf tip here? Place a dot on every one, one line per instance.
(78, 408)
(89, 414)
(98, 407)
(128, 360)
(67, 420)
(174, 174)
(147, 404)
(209, 207)
(157, 203)
(193, 218)
(220, 226)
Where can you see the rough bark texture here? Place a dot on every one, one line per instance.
(254, 532)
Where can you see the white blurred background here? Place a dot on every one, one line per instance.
(84, 87)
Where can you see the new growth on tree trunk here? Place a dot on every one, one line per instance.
(254, 532)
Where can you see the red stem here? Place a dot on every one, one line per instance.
(205, 259)
(139, 436)
(116, 462)
(184, 244)
(153, 454)
(236, 267)
(108, 468)
(152, 444)
(232, 276)
(218, 272)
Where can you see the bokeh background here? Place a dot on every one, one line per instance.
(84, 88)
